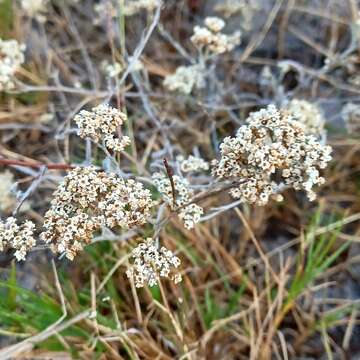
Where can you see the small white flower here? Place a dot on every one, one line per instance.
(85, 201)
(193, 163)
(246, 10)
(309, 115)
(150, 263)
(102, 122)
(111, 70)
(214, 23)
(271, 141)
(185, 79)
(211, 38)
(17, 237)
(11, 58)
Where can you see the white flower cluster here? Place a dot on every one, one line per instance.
(192, 163)
(87, 200)
(133, 7)
(185, 79)
(351, 116)
(212, 38)
(111, 70)
(271, 150)
(307, 114)
(17, 237)
(11, 57)
(35, 8)
(102, 122)
(150, 263)
(190, 214)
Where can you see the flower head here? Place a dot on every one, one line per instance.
(212, 38)
(270, 151)
(85, 201)
(101, 123)
(215, 24)
(307, 114)
(17, 237)
(111, 70)
(11, 57)
(192, 163)
(150, 263)
(185, 79)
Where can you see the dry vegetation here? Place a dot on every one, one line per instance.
(264, 275)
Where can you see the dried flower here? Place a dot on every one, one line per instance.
(185, 79)
(17, 237)
(85, 201)
(271, 150)
(192, 163)
(101, 123)
(351, 116)
(309, 115)
(215, 24)
(191, 213)
(150, 263)
(11, 57)
(212, 39)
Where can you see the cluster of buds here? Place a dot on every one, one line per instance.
(87, 200)
(101, 123)
(150, 263)
(17, 237)
(212, 39)
(270, 151)
(11, 58)
(185, 79)
(111, 70)
(309, 115)
(192, 164)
